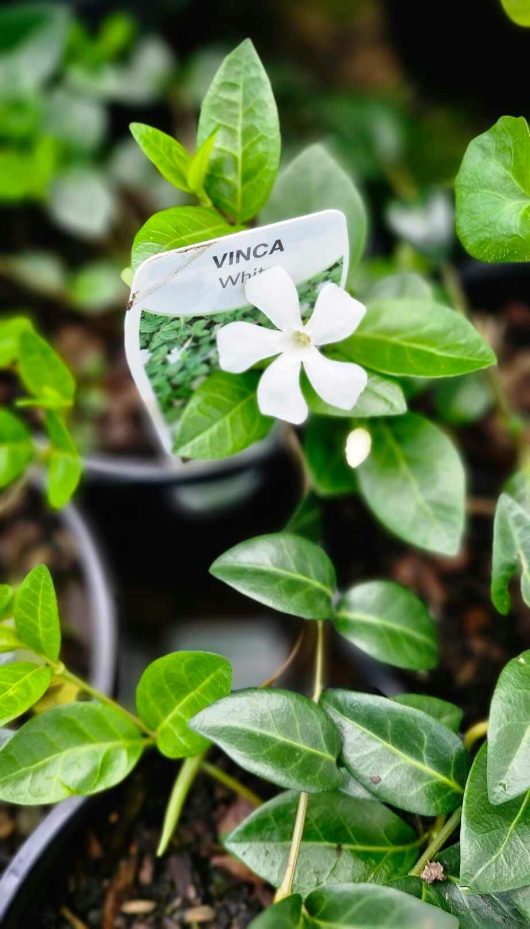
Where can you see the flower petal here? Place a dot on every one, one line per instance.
(358, 447)
(339, 383)
(279, 392)
(241, 345)
(335, 317)
(274, 293)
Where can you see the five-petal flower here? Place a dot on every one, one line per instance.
(335, 316)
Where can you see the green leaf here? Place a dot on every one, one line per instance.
(173, 689)
(32, 38)
(287, 914)
(16, 448)
(367, 906)
(315, 181)
(401, 755)
(401, 286)
(176, 227)
(389, 623)
(495, 840)
(221, 418)
(37, 615)
(165, 152)
(83, 202)
(473, 911)
(463, 400)
(380, 397)
(493, 193)
(64, 462)
(10, 332)
(276, 734)
(511, 551)
(518, 10)
(240, 108)
(80, 748)
(447, 713)
(283, 571)
(416, 338)
(307, 519)
(414, 482)
(325, 453)
(7, 596)
(9, 640)
(199, 165)
(22, 684)
(509, 731)
(344, 840)
(43, 373)
(96, 287)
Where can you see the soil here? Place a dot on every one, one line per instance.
(115, 880)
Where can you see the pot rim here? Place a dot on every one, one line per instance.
(103, 661)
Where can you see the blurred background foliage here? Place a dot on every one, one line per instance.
(395, 90)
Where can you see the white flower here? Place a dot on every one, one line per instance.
(336, 315)
(358, 447)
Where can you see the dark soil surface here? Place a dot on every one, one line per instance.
(115, 880)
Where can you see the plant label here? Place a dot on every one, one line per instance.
(179, 299)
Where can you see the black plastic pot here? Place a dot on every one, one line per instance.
(15, 883)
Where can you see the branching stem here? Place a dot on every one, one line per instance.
(437, 842)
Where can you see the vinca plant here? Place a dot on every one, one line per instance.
(383, 816)
(408, 333)
(41, 385)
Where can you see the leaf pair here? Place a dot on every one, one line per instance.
(176, 165)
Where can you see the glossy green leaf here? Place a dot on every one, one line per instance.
(417, 338)
(287, 914)
(199, 165)
(344, 840)
(493, 193)
(7, 596)
(401, 755)
(315, 181)
(10, 332)
(414, 482)
(380, 397)
(325, 454)
(165, 152)
(174, 688)
(495, 840)
(221, 418)
(276, 734)
(22, 684)
(176, 227)
(447, 713)
(9, 640)
(367, 906)
(283, 571)
(511, 551)
(43, 372)
(518, 10)
(64, 462)
(473, 911)
(509, 732)
(389, 623)
(16, 447)
(401, 286)
(37, 615)
(80, 748)
(239, 108)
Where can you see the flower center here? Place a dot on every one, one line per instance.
(301, 338)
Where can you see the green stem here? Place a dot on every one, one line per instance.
(181, 788)
(476, 732)
(438, 841)
(231, 782)
(87, 688)
(286, 887)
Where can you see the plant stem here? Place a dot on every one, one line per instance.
(438, 841)
(288, 661)
(476, 732)
(286, 887)
(181, 788)
(87, 688)
(231, 782)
